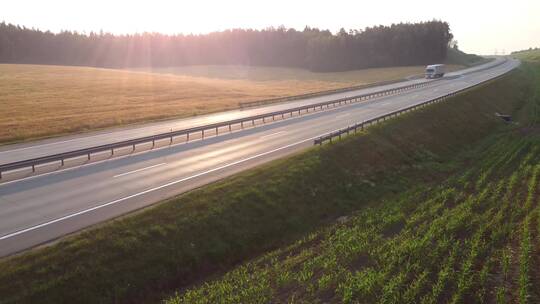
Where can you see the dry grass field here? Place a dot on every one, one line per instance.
(38, 101)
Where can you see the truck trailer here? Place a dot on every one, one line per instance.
(435, 71)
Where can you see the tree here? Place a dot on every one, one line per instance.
(312, 48)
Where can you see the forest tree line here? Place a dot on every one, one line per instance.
(314, 49)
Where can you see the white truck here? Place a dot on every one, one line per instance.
(435, 71)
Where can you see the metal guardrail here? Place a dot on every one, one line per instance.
(62, 157)
(361, 125)
(316, 94)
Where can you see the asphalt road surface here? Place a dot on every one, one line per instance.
(41, 208)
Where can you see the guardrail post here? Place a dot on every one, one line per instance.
(88, 158)
(112, 151)
(133, 148)
(202, 134)
(229, 127)
(62, 162)
(0, 174)
(33, 168)
(153, 143)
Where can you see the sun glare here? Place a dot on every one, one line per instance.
(203, 16)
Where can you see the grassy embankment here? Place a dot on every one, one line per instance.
(459, 57)
(473, 238)
(40, 101)
(205, 232)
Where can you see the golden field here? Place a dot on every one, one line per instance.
(39, 101)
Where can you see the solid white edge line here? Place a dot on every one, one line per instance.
(7, 236)
(139, 170)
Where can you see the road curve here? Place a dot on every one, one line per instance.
(42, 208)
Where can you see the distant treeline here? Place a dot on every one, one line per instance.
(314, 49)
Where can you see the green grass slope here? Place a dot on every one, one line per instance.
(532, 55)
(196, 236)
(461, 58)
(473, 238)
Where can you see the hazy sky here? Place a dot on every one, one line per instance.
(479, 26)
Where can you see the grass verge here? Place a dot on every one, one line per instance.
(205, 232)
(472, 238)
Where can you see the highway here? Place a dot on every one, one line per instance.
(13, 153)
(41, 208)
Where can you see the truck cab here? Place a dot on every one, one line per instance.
(435, 71)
